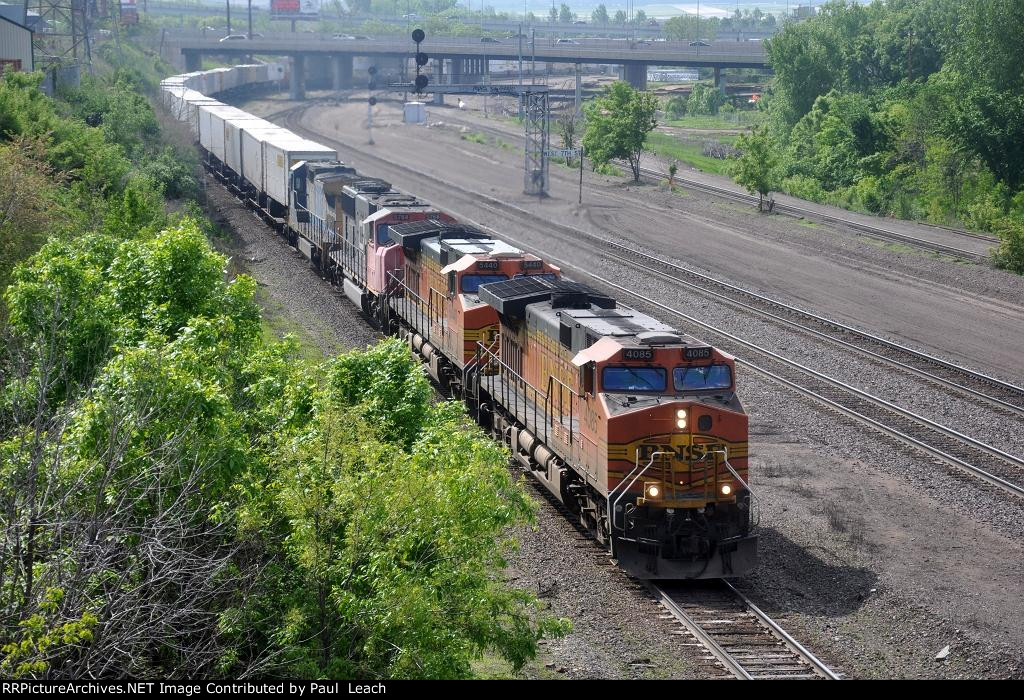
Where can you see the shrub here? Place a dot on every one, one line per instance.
(1009, 255)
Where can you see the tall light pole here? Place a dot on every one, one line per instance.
(228, 3)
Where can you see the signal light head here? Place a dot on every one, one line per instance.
(421, 82)
(418, 35)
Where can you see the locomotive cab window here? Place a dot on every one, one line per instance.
(634, 379)
(701, 378)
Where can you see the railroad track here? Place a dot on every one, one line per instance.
(993, 466)
(804, 213)
(1002, 395)
(745, 640)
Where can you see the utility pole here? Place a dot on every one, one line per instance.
(533, 46)
(250, 20)
(579, 89)
(228, 4)
(581, 172)
(520, 37)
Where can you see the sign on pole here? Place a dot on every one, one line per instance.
(295, 9)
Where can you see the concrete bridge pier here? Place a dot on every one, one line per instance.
(342, 71)
(438, 79)
(193, 61)
(297, 79)
(719, 79)
(636, 75)
(457, 68)
(319, 72)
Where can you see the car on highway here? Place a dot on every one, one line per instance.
(566, 41)
(699, 42)
(489, 40)
(235, 37)
(344, 37)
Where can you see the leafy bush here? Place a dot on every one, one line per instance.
(675, 107)
(704, 100)
(1009, 255)
(174, 172)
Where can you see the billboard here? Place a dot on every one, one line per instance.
(295, 9)
(129, 12)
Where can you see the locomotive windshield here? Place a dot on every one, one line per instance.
(471, 283)
(634, 379)
(700, 378)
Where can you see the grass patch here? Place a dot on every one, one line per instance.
(475, 137)
(736, 120)
(277, 323)
(609, 170)
(808, 223)
(691, 154)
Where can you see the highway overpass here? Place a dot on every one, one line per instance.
(460, 59)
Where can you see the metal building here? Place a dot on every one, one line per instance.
(15, 45)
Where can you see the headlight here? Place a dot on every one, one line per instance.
(653, 491)
(681, 418)
(726, 489)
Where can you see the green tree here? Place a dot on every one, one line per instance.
(640, 17)
(617, 124)
(599, 15)
(704, 100)
(552, 14)
(568, 129)
(987, 75)
(620, 17)
(565, 14)
(755, 169)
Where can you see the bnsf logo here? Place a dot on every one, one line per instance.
(680, 452)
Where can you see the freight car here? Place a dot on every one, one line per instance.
(634, 426)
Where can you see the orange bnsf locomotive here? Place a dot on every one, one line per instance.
(632, 425)
(636, 428)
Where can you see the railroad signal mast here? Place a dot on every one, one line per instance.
(533, 101)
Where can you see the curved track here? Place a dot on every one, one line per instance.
(991, 465)
(876, 232)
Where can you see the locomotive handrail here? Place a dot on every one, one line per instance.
(725, 460)
(612, 506)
